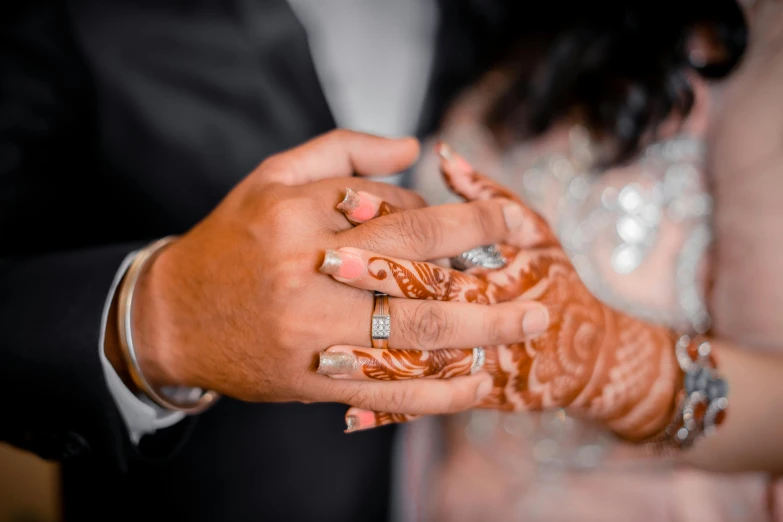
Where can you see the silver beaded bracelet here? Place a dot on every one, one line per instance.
(701, 403)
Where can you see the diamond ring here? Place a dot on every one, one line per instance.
(484, 256)
(479, 356)
(381, 321)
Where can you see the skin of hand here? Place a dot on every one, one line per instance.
(749, 439)
(592, 360)
(237, 305)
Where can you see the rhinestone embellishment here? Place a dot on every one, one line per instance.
(381, 326)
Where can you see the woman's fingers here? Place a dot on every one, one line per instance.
(492, 397)
(354, 362)
(401, 278)
(357, 419)
(465, 181)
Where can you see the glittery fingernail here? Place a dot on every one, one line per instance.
(351, 423)
(359, 419)
(332, 262)
(342, 265)
(359, 207)
(349, 203)
(337, 363)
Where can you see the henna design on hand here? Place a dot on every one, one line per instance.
(593, 360)
(409, 364)
(430, 281)
(357, 419)
(384, 418)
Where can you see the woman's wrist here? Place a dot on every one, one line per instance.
(637, 379)
(660, 387)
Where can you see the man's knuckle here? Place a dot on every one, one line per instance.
(421, 232)
(397, 398)
(355, 397)
(434, 325)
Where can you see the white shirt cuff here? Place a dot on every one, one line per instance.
(141, 415)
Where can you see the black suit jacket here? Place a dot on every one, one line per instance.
(122, 121)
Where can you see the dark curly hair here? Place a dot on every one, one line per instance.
(623, 71)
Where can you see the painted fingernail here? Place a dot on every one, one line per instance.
(336, 363)
(484, 388)
(358, 419)
(349, 202)
(514, 216)
(359, 207)
(536, 320)
(452, 158)
(444, 151)
(342, 265)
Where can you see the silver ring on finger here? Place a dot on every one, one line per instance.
(479, 357)
(381, 321)
(487, 256)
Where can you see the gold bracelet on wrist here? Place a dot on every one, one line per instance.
(128, 349)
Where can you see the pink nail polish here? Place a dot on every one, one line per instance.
(359, 420)
(454, 160)
(360, 206)
(349, 202)
(342, 265)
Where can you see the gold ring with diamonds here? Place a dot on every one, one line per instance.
(381, 321)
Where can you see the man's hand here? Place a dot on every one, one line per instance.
(237, 304)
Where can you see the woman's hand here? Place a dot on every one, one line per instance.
(593, 360)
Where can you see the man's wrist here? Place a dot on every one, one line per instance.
(112, 349)
(157, 358)
(155, 347)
